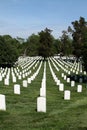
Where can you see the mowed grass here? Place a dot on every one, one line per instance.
(21, 113)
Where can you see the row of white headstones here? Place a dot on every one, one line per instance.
(25, 65)
(64, 67)
(74, 67)
(16, 73)
(41, 101)
(25, 83)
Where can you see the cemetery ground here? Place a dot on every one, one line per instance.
(21, 110)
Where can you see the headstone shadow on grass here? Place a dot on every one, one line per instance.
(78, 78)
(8, 65)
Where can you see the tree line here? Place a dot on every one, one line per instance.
(72, 42)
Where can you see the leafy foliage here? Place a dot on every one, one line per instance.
(78, 34)
(8, 51)
(66, 44)
(32, 45)
(46, 41)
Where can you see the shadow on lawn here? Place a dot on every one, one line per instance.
(78, 78)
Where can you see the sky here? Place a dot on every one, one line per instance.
(22, 18)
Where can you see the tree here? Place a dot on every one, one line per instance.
(66, 44)
(32, 45)
(8, 51)
(84, 56)
(84, 50)
(57, 46)
(46, 43)
(78, 34)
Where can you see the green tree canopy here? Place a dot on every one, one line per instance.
(46, 43)
(32, 45)
(8, 51)
(66, 44)
(78, 34)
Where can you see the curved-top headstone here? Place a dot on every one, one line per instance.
(2, 102)
(41, 104)
(79, 88)
(61, 87)
(17, 89)
(24, 83)
(66, 95)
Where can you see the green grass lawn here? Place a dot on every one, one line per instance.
(21, 113)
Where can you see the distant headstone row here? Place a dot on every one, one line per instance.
(15, 72)
(28, 69)
(41, 101)
(67, 69)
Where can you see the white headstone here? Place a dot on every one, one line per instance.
(73, 71)
(24, 83)
(26, 74)
(79, 88)
(19, 77)
(55, 78)
(17, 89)
(68, 80)
(41, 104)
(67, 95)
(58, 82)
(6, 81)
(0, 78)
(64, 77)
(14, 79)
(23, 75)
(68, 72)
(42, 92)
(72, 83)
(84, 72)
(61, 87)
(32, 77)
(29, 80)
(2, 102)
(76, 72)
